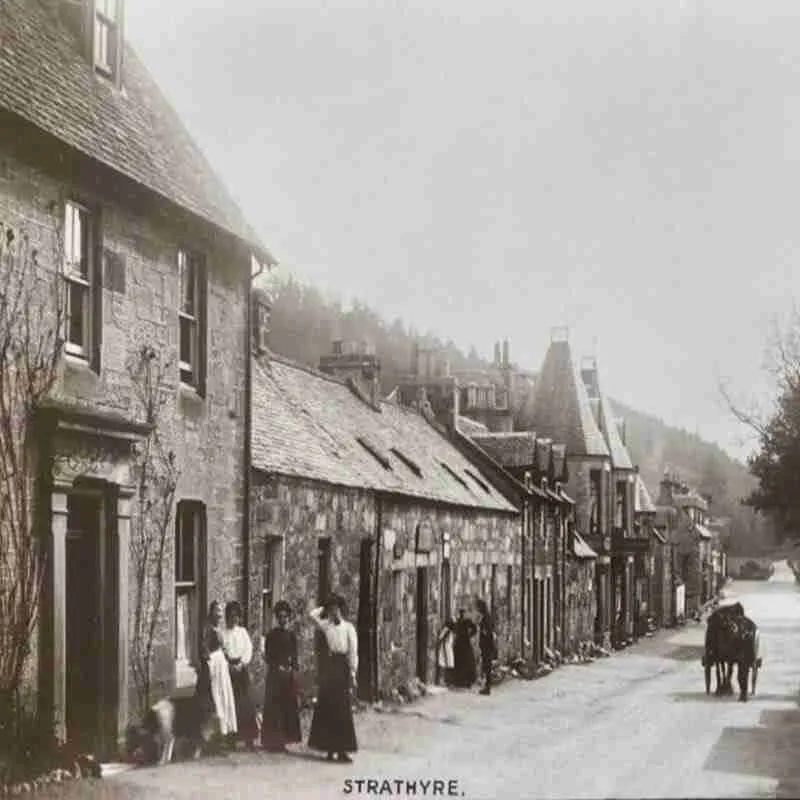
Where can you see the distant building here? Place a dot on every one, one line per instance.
(563, 412)
(691, 538)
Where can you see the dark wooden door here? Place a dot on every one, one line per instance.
(83, 617)
(447, 602)
(365, 626)
(323, 591)
(422, 623)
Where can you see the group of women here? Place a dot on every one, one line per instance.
(223, 685)
(456, 659)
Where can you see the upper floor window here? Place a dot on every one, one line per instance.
(106, 36)
(81, 301)
(262, 320)
(621, 511)
(594, 501)
(191, 319)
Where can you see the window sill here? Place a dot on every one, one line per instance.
(78, 363)
(185, 674)
(190, 393)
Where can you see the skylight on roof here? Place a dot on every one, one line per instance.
(373, 451)
(407, 461)
(454, 475)
(477, 480)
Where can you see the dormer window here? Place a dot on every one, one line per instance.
(106, 37)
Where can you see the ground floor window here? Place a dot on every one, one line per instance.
(189, 581)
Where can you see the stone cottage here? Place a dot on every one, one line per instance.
(363, 496)
(120, 205)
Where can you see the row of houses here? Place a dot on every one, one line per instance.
(290, 481)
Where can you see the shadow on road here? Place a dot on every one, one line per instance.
(696, 697)
(767, 751)
(686, 652)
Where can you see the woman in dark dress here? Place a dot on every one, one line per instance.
(486, 644)
(281, 723)
(464, 673)
(332, 728)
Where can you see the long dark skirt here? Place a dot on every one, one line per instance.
(245, 712)
(202, 691)
(464, 671)
(281, 722)
(332, 728)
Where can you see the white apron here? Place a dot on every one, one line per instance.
(222, 692)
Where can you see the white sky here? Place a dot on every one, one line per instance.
(496, 169)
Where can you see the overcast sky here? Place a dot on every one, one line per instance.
(496, 169)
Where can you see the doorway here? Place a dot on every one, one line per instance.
(90, 621)
(447, 602)
(323, 592)
(367, 645)
(422, 623)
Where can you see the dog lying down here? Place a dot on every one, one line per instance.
(171, 721)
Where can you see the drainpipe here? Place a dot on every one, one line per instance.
(524, 574)
(248, 427)
(375, 672)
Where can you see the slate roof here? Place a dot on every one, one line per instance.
(642, 502)
(703, 532)
(580, 549)
(620, 458)
(508, 449)
(561, 407)
(46, 80)
(470, 427)
(308, 425)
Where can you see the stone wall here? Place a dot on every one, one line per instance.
(581, 602)
(301, 512)
(140, 307)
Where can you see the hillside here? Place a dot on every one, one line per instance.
(304, 323)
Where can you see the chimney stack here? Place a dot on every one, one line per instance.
(505, 353)
(356, 364)
(497, 354)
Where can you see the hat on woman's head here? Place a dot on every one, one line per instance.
(282, 606)
(234, 608)
(336, 601)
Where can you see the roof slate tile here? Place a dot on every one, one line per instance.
(306, 424)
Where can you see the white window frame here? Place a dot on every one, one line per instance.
(190, 263)
(185, 668)
(106, 36)
(75, 277)
(270, 579)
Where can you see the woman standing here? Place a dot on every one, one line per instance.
(281, 723)
(214, 688)
(463, 655)
(239, 652)
(486, 644)
(332, 728)
(445, 660)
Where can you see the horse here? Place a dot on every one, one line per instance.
(717, 651)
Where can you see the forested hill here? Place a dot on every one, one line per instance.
(304, 323)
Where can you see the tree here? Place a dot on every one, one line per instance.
(776, 464)
(156, 475)
(31, 317)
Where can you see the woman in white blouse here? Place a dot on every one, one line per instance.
(239, 652)
(332, 728)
